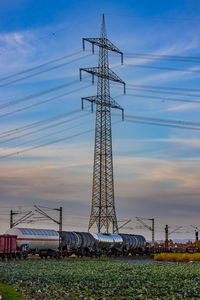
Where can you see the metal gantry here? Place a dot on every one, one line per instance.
(103, 213)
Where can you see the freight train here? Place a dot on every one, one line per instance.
(49, 243)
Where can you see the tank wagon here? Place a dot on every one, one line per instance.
(79, 243)
(48, 243)
(95, 244)
(44, 242)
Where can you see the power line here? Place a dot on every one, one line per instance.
(40, 66)
(42, 102)
(179, 122)
(164, 57)
(141, 88)
(35, 124)
(50, 34)
(157, 18)
(166, 88)
(47, 135)
(162, 98)
(163, 68)
(62, 86)
(43, 71)
(41, 129)
(163, 125)
(46, 144)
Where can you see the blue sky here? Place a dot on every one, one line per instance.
(156, 168)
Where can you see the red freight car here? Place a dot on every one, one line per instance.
(8, 246)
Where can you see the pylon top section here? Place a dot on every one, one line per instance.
(103, 28)
(103, 42)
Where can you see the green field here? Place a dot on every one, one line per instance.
(98, 279)
(9, 293)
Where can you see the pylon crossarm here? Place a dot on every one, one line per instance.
(103, 43)
(95, 99)
(108, 74)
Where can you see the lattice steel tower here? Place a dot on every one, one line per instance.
(103, 205)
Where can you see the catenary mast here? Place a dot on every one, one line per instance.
(103, 213)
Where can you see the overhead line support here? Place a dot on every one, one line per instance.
(103, 213)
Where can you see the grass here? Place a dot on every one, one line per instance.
(177, 257)
(101, 279)
(9, 293)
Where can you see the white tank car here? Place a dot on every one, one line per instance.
(41, 239)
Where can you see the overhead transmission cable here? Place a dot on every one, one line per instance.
(166, 88)
(47, 144)
(36, 124)
(40, 66)
(30, 97)
(50, 34)
(162, 68)
(41, 129)
(162, 124)
(47, 135)
(178, 122)
(163, 57)
(42, 102)
(157, 91)
(162, 98)
(155, 17)
(43, 71)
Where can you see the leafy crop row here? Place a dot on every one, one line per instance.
(102, 279)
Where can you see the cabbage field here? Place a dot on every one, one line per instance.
(98, 279)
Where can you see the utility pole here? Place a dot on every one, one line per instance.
(166, 237)
(41, 210)
(196, 233)
(103, 213)
(24, 217)
(167, 233)
(11, 219)
(196, 236)
(153, 231)
(60, 220)
(151, 228)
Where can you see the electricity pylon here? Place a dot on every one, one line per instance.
(103, 212)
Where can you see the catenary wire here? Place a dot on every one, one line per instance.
(179, 122)
(162, 125)
(41, 129)
(50, 143)
(155, 17)
(38, 123)
(166, 88)
(43, 71)
(50, 34)
(162, 68)
(47, 135)
(46, 144)
(163, 57)
(42, 102)
(157, 91)
(161, 98)
(40, 66)
(30, 97)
